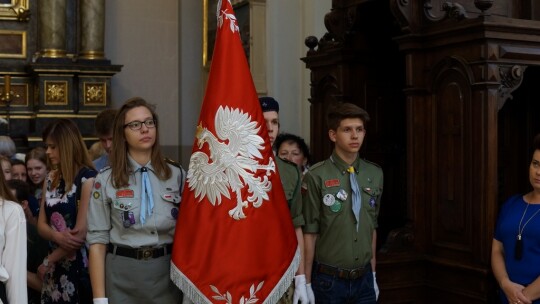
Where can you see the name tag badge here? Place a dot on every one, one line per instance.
(331, 183)
(125, 193)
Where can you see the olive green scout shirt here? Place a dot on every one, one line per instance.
(327, 199)
(291, 178)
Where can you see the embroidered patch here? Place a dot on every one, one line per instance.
(171, 198)
(97, 185)
(125, 193)
(96, 194)
(174, 213)
(331, 183)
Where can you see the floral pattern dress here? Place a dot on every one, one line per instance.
(67, 281)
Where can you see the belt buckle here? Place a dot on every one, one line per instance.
(145, 253)
(354, 274)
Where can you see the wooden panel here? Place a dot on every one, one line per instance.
(451, 213)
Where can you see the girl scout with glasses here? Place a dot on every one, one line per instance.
(133, 212)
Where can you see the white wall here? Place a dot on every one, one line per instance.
(160, 45)
(143, 37)
(288, 24)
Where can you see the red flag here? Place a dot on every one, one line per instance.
(234, 241)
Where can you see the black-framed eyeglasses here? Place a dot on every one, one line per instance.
(137, 125)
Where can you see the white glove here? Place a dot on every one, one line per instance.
(101, 301)
(375, 286)
(310, 295)
(300, 292)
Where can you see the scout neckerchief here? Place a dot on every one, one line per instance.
(356, 198)
(146, 192)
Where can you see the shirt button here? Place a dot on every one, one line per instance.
(355, 239)
(356, 258)
(153, 232)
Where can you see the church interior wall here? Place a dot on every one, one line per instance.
(159, 44)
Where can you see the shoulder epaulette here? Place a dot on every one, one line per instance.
(172, 162)
(315, 166)
(371, 163)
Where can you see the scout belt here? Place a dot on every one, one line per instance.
(142, 253)
(346, 274)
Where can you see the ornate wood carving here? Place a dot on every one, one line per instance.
(510, 79)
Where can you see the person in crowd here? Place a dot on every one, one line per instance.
(62, 216)
(516, 243)
(18, 170)
(96, 151)
(290, 177)
(36, 167)
(37, 247)
(341, 198)
(133, 212)
(7, 146)
(104, 131)
(12, 248)
(6, 167)
(294, 149)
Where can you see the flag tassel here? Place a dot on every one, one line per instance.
(197, 297)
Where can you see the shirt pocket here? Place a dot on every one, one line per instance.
(370, 196)
(169, 203)
(331, 206)
(127, 211)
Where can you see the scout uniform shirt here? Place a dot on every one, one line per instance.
(291, 180)
(327, 199)
(114, 214)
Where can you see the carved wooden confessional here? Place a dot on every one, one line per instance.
(451, 87)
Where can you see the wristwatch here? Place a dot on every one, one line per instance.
(46, 261)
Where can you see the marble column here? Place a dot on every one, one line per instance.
(52, 28)
(92, 29)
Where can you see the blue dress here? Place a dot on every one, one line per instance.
(506, 231)
(67, 281)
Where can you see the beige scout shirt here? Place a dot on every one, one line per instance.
(327, 199)
(113, 214)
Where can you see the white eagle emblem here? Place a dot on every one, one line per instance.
(232, 162)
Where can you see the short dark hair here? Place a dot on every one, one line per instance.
(22, 189)
(16, 161)
(104, 122)
(343, 110)
(536, 142)
(287, 137)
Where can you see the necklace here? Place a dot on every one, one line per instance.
(518, 250)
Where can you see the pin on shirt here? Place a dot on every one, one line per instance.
(329, 200)
(128, 219)
(342, 195)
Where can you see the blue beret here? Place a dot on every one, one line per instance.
(269, 104)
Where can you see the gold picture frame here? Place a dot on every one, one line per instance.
(210, 27)
(12, 44)
(18, 10)
(209, 30)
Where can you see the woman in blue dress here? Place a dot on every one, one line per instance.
(515, 251)
(62, 216)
